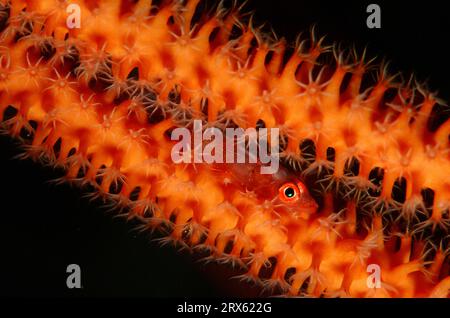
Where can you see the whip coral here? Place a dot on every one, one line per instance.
(363, 164)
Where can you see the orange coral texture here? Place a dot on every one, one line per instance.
(100, 101)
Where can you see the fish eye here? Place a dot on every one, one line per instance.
(289, 192)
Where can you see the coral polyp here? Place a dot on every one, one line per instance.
(364, 164)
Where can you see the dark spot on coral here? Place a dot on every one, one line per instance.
(236, 32)
(363, 222)
(134, 74)
(344, 84)
(27, 134)
(173, 217)
(93, 85)
(116, 186)
(202, 238)
(397, 243)
(439, 115)
(308, 150)
(57, 147)
(388, 97)
(212, 36)
(260, 124)
(174, 96)
(376, 176)
(155, 7)
(72, 151)
(81, 172)
(304, 288)
(98, 177)
(148, 212)
(430, 254)
(368, 82)
(428, 198)
(148, 93)
(9, 112)
(228, 247)
(351, 167)
(47, 49)
(168, 133)
(399, 190)
(101, 83)
(199, 13)
(186, 233)
(25, 30)
(204, 106)
(155, 115)
(134, 194)
(266, 270)
(71, 60)
(268, 58)
(331, 154)
(287, 54)
(171, 20)
(289, 273)
(33, 124)
(166, 228)
(252, 49)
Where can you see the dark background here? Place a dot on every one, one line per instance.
(44, 227)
